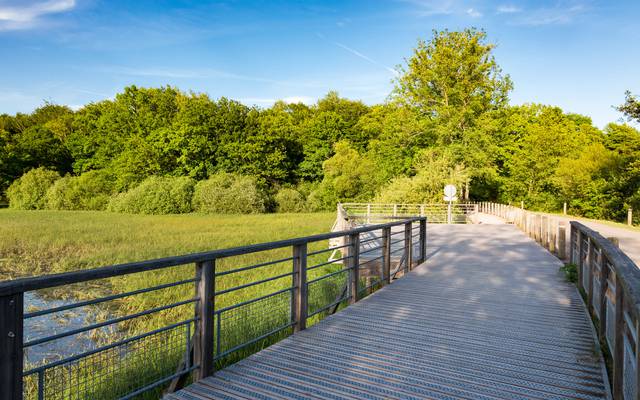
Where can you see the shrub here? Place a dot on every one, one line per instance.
(28, 192)
(156, 195)
(89, 191)
(290, 200)
(570, 272)
(229, 194)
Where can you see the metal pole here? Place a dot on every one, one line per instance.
(300, 297)
(203, 347)
(11, 336)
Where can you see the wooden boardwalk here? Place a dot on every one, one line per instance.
(488, 316)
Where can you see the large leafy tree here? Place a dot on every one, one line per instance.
(453, 79)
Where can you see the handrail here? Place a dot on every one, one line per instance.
(232, 310)
(48, 281)
(611, 283)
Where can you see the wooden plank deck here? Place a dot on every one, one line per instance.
(488, 316)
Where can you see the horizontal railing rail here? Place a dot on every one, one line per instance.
(436, 212)
(150, 325)
(608, 279)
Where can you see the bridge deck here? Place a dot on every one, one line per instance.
(487, 317)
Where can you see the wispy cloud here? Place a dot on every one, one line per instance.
(473, 13)
(508, 9)
(174, 73)
(561, 13)
(426, 8)
(24, 15)
(366, 58)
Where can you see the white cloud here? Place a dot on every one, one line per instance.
(474, 13)
(508, 9)
(562, 13)
(26, 16)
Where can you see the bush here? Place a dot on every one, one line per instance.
(570, 272)
(28, 192)
(156, 195)
(290, 200)
(225, 193)
(89, 191)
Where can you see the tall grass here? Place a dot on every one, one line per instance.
(47, 242)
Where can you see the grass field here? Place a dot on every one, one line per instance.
(42, 242)
(35, 243)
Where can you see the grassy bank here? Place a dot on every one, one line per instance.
(47, 242)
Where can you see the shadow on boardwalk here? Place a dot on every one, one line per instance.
(488, 316)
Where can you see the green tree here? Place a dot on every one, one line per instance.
(433, 170)
(348, 176)
(453, 79)
(318, 137)
(631, 106)
(541, 137)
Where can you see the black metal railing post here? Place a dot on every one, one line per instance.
(354, 266)
(386, 253)
(204, 341)
(300, 289)
(423, 240)
(11, 354)
(408, 246)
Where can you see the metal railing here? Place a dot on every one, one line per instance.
(608, 279)
(164, 332)
(437, 213)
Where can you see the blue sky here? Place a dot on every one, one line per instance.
(580, 55)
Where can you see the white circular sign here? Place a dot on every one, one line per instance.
(450, 191)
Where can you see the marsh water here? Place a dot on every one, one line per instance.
(52, 324)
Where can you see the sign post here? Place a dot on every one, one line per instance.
(449, 196)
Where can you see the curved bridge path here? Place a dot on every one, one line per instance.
(488, 316)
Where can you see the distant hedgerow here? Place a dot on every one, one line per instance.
(226, 193)
(156, 195)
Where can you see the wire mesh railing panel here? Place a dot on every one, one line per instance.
(113, 372)
(238, 327)
(327, 292)
(368, 213)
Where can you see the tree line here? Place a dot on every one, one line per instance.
(447, 120)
